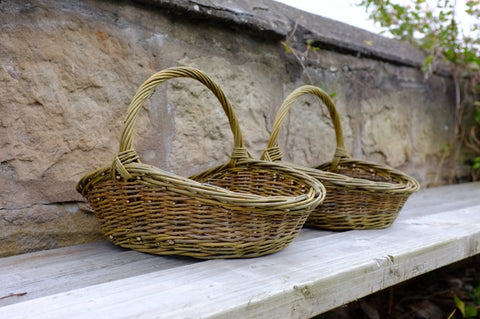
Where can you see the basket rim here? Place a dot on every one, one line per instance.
(404, 183)
(151, 176)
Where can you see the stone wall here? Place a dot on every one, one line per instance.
(69, 68)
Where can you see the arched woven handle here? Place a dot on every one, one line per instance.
(126, 152)
(273, 153)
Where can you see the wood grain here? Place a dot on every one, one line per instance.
(319, 271)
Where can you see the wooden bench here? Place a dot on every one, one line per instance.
(319, 271)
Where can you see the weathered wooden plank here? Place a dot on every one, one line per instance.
(79, 266)
(301, 281)
(440, 199)
(312, 275)
(48, 272)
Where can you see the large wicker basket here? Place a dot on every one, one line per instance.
(360, 194)
(244, 208)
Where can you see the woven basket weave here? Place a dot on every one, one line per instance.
(360, 194)
(243, 208)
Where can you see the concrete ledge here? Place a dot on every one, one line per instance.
(275, 20)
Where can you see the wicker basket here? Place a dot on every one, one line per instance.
(244, 208)
(360, 194)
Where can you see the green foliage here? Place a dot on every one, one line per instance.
(459, 304)
(435, 28)
(476, 163)
(467, 310)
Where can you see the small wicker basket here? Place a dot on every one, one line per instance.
(244, 208)
(360, 194)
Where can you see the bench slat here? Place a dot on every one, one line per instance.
(53, 271)
(313, 275)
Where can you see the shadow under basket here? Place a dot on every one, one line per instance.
(360, 194)
(243, 208)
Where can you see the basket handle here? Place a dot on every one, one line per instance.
(273, 153)
(144, 92)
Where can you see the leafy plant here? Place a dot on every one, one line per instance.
(303, 56)
(476, 163)
(469, 309)
(435, 28)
